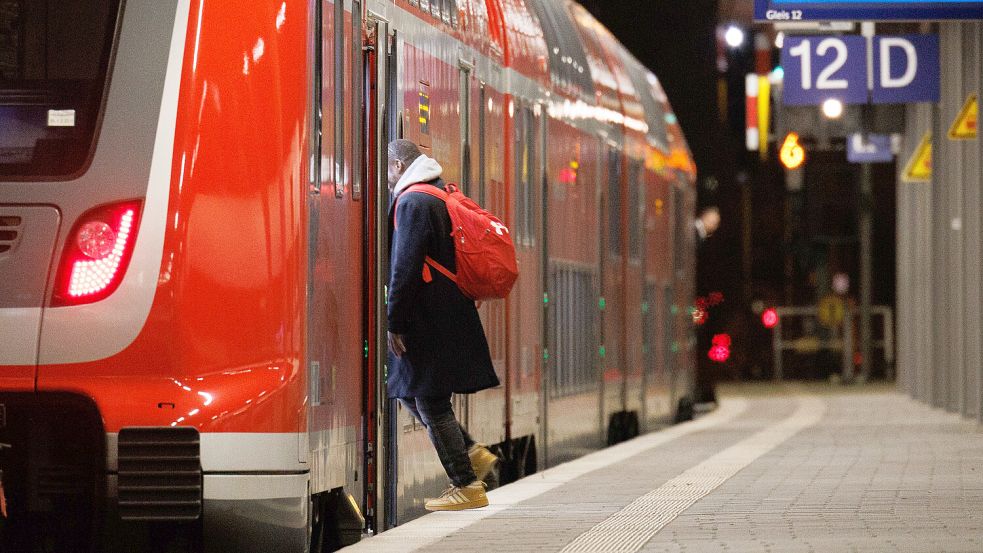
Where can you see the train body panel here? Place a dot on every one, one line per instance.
(246, 326)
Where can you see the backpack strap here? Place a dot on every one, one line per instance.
(430, 190)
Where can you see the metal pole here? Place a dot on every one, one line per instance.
(866, 266)
(776, 348)
(847, 343)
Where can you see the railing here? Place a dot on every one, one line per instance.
(842, 338)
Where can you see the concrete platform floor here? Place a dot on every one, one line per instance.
(775, 468)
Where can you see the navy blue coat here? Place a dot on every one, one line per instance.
(446, 348)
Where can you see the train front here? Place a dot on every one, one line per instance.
(152, 275)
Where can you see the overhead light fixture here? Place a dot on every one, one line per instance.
(833, 108)
(734, 36)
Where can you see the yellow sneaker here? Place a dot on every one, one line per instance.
(483, 461)
(471, 496)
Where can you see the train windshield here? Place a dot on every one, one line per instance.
(54, 60)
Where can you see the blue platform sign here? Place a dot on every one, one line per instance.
(860, 10)
(818, 68)
(906, 69)
(875, 148)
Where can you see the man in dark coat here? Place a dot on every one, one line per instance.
(436, 341)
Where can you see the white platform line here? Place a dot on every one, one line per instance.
(427, 530)
(628, 530)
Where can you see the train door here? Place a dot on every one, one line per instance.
(634, 291)
(526, 299)
(338, 235)
(461, 402)
(673, 327)
(542, 183)
(612, 297)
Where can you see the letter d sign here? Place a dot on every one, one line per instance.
(906, 69)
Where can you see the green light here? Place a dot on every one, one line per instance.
(674, 309)
(366, 349)
(546, 354)
(602, 351)
(645, 307)
(546, 298)
(601, 303)
(674, 347)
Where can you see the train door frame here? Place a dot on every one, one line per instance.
(466, 69)
(600, 182)
(541, 117)
(382, 126)
(375, 52)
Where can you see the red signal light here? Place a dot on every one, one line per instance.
(720, 351)
(97, 254)
(769, 317)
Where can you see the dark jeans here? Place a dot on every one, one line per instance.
(449, 438)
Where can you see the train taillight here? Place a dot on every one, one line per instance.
(97, 254)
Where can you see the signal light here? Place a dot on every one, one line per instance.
(769, 317)
(792, 154)
(720, 350)
(97, 254)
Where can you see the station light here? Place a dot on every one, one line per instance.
(780, 40)
(734, 36)
(769, 317)
(792, 154)
(833, 108)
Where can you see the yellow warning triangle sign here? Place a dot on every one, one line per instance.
(964, 127)
(919, 168)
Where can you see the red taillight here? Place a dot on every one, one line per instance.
(97, 253)
(720, 351)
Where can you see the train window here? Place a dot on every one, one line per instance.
(54, 66)
(338, 175)
(525, 174)
(446, 11)
(635, 207)
(573, 330)
(482, 146)
(327, 90)
(357, 77)
(465, 104)
(646, 85)
(614, 202)
(425, 5)
(568, 61)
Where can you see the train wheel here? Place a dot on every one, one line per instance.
(631, 425)
(684, 411)
(530, 465)
(320, 539)
(616, 428)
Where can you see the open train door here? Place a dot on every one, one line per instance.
(381, 127)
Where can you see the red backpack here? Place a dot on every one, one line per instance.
(483, 249)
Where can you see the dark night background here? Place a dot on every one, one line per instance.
(773, 247)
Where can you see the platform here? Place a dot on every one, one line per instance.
(773, 468)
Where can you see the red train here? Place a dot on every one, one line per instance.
(193, 258)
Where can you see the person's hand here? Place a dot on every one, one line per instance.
(397, 345)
